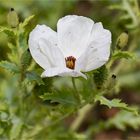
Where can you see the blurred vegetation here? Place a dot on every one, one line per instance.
(32, 108)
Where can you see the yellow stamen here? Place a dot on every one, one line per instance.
(70, 62)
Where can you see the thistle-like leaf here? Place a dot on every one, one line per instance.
(25, 59)
(122, 54)
(26, 21)
(115, 103)
(8, 31)
(124, 119)
(33, 76)
(9, 66)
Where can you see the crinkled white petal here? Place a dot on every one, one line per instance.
(43, 47)
(98, 51)
(73, 34)
(62, 71)
(53, 54)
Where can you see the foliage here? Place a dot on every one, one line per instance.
(115, 103)
(34, 108)
(9, 66)
(121, 121)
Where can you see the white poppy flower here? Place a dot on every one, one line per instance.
(79, 45)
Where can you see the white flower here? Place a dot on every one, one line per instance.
(79, 45)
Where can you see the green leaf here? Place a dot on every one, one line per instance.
(9, 66)
(46, 87)
(23, 41)
(26, 21)
(13, 55)
(60, 97)
(115, 7)
(124, 119)
(122, 54)
(25, 59)
(16, 129)
(115, 103)
(7, 31)
(33, 76)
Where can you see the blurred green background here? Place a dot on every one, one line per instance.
(117, 16)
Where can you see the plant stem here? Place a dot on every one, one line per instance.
(81, 116)
(75, 94)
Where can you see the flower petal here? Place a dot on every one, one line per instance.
(43, 47)
(53, 54)
(62, 71)
(98, 50)
(73, 34)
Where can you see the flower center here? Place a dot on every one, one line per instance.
(70, 62)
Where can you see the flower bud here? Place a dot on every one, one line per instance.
(122, 40)
(100, 76)
(12, 18)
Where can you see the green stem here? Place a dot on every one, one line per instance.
(136, 7)
(81, 116)
(75, 94)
